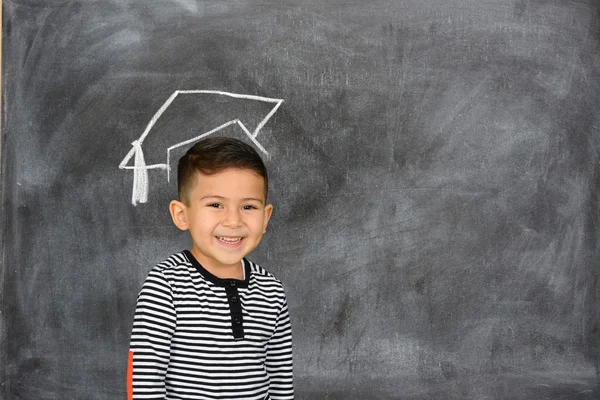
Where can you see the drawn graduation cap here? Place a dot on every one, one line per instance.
(183, 120)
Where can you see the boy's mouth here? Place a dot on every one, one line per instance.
(230, 241)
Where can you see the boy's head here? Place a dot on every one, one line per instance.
(222, 185)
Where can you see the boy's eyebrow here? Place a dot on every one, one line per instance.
(255, 199)
(224, 198)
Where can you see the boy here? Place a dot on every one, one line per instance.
(210, 324)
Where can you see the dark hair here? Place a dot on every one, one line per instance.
(213, 155)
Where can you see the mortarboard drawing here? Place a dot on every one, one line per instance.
(140, 168)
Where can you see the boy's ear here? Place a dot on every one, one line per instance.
(178, 214)
(268, 213)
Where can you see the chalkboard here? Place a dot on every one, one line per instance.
(434, 169)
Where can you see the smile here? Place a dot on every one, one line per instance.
(229, 240)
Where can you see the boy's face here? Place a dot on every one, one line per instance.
(226, 217)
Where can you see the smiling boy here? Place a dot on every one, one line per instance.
(209, 324)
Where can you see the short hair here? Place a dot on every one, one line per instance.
(212, 155)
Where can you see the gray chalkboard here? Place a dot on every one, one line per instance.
(434, 170)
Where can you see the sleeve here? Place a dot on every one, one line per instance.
(153, 327)
(279, 358)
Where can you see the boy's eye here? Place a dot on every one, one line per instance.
(248, 207)
(215, 205)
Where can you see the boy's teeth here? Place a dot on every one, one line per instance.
(229, 240)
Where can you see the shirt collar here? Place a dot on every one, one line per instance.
(220, 281)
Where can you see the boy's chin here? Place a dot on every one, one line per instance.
(229, 260)
(218, 257)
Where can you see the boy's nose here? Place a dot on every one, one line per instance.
(232, 218)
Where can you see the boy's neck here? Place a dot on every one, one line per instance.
(221, 272)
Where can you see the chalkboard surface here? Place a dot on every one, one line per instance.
(434, 169)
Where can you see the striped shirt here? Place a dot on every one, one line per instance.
(196, 336)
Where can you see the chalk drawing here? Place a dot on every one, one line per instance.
(139, 167)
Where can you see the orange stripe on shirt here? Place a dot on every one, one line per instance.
(130, 376)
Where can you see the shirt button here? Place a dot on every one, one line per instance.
(237, 321)
(232, 283)
(234, 299)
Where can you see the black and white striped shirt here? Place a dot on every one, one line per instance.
(196, 336)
